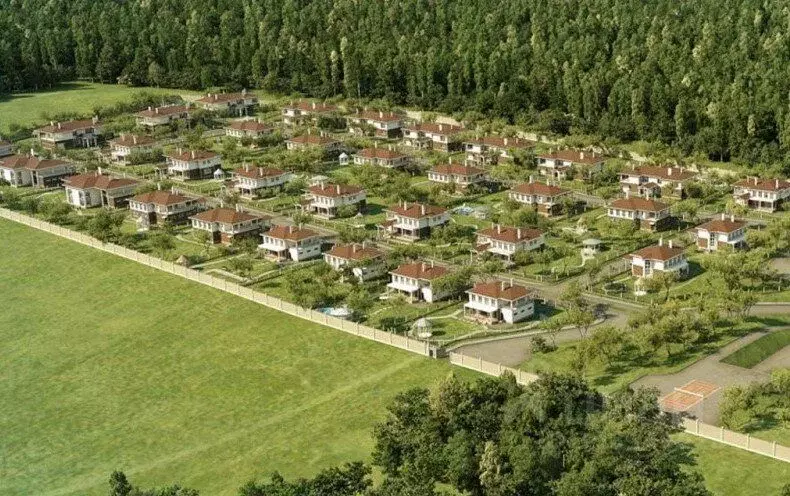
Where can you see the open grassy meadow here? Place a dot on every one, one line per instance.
(108, 365)
(81, 97)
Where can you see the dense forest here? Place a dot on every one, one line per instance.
(707, 76)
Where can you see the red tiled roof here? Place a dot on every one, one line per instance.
(510, 234)
(224, 97)
(722, 225)
(190, 155)
(99, 181)
(457, 169)
(373, 115)
(335, 190)
(657, 252)
(435, 128)
(226, 216)
(574, 156)
(641, 204)
(540, 189)
(502, 142)
(381, 153)
(420, 270)
(249, 125)
(764, 184)
(500, 290)
(312, 139)
(665, 173)
(416, 210)
(256, 172)
(15, 161)
(306, 106)
(161, 198)
(57, 127)
(132, 140)
(354, 252)
(291, 233)
(163, 111)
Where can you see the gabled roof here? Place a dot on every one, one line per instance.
(312, 139)
(540, 189)
(510, 234)
(457, 169)
(256, 172)
(190, 155)
(420, 270)
(574, 156)
(434, 128)
(355, 251)
(291, 233)
(657, 252)
(665, 173)
(163, 111)
(29, 162)
(161, 198)
(722, 225)
(641, 204)
(57, 127)
(306, 106)
(334, 190)
(249, 125)
(226, 216)
(764, 184)
(98, 181)
(132, 140)
(416, 210)
(503, 142)
(380, 153)
(500, 290)
(374, 115)
(225, 97)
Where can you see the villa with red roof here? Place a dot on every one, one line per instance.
(302, 111)
(413, 221)
(29, 170)
(416, 281)
(429, 135)
(160, 207)
(650, 214)
(252, 129)
(658, 258)
(122, 147)
(721, 232)
(381, 157)
(95, 189)
(251, 181)
(488, 150)
(366, 262)
(295, 243)
(499, 301)
(767, 195)
(384, 124)
(326, 199)
(162, 116)
(229, 103)
(193, 164)
(70, 134)
(455, 173)
(506, 241)
(651, 182)
(308, 141)
(545, 198)
(227, 224)
(557, 164)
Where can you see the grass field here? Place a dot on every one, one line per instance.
(26, 108)
(757, 351)
(111, 365)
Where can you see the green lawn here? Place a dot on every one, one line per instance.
(108, 365)
(730, 471)
(26, 108)
(757, 351)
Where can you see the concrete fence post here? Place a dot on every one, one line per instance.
(480, 363)
(696, 426)
(748, 441)
(500, 369)
(773, 449)
(721, 433)
(357, 328)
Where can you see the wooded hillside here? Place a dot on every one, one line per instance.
(707, 75)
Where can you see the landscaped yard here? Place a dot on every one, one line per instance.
(757, 351)
(111, 365)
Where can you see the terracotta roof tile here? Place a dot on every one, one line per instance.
(225, 97)
(163, 111)
(312, 139)
(657, 252)
(335, 190)
(665, 173)
(722, 225)
(540, 189)
(503, 142)
(190, 155)
(132, 140)
(306, 106)
(574, 156)
(457, 169)
(355, 252)
(256, 172)
(161, 198)
(291, 233)
(416, 210)
(420, 270)
(500, 290)
(641, 204)
(98, 181)
(380, 153)
(68, 126)
(249, 125)
(226, 216)
(764, 184)
(510, 234)
(373, 115)
(434, 128)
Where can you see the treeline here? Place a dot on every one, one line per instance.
(708, 76)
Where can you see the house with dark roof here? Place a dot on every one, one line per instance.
(416, 281)
(295, 243)
(384, 124)
(650, 214)
(160, 207)
(721, 232)
(658, 258)
(192, 164)
(545, 198)
(250, 181)
(489, 150)
(558, 164)
(95, 189)
(413, 221)
(125, 145)
(767, 195)
(652, 182)
(325, 199)
(499, 301)
(301, 111)
(70, 134)
(456, 173)
(239, 104)
(29, 170)
(227, 224)
(381, 157)
(312, 141)
(162, 116)
(432, 136)
(251, 128)
(505, 241)
(365, 261)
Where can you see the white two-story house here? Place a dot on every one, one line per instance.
(384, 124)
(413, 221)
(325, 199)
(659, 258)
(366, 262)
(651, 181)
(70, 134)
(381, 157)
(162, 116)
(250, 181)
(126, 145)
(488, 150)
(416, 281)
(650, 214)
(544, 198)
(498, 301)
(29, 170)
(458, 174)
(291, 243)
(252, 129)
(721, 232)
(302, 111)
(557, 164)
(95, 189)
(226, 224)
(160, 207)
(767, 195)
(428, 135)
(241, 103)
(312, 141)
(193, 164)
(506, 241)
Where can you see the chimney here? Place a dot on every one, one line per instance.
(670, 243)
(661, 241)
(99, 171)
(518, 233)
(59, 126)
(581, 155)
(52, 123)
(134, 139)
(504, 141)
(238, 207)
(159, 186)
(313, 105)
(338, 189)
(669, 171)
(501, 285)
(260, 171)
(627, 194)
(499, 229)
(732, 218)
(353, 248)
(777, 184)
(151, 108)
(531, 179)
(95, 119)
(180, 151)
(247, 167)
(381, 115)
(723, 216)
(422, 209)
(193, 154)
(440, 127)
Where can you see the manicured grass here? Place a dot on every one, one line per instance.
(81, 97)
(108, 365)
(757, 351)
(730, 471)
